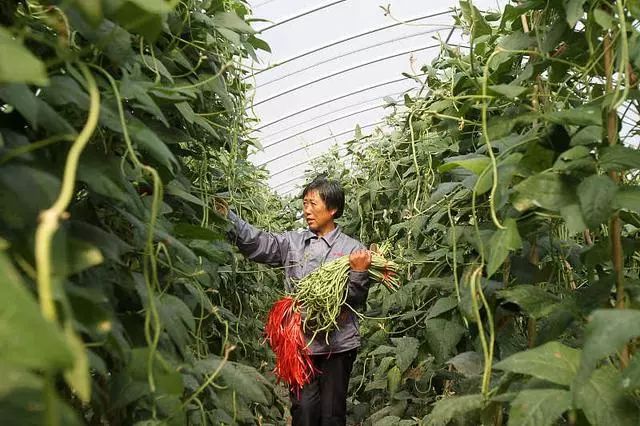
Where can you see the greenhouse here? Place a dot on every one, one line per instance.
(319, 212)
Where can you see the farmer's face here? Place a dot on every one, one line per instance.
(318, 216)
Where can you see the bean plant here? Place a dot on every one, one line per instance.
(509, 188)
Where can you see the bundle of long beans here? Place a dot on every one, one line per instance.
(320, 296)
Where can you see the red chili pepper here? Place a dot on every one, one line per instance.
(284, 334)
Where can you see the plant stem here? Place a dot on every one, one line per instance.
(49, 221)
(615, 224)
(50, 218)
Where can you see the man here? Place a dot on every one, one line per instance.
(323, 401)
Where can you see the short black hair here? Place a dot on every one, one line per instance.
(330, 191)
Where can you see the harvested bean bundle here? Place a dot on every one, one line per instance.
(323, 292)
(320, 296)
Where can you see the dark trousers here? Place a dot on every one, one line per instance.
(323, 402)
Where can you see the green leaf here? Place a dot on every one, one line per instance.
(440, 105)
(585, 115)
(151, 143)
(16, 210)
(442, 305)
(177, 319)
(456, 407)
(573, 218)
(553, 362)
(442, 336)
(77, 377)
(92, 9)
(508, 90)
(553, 36)
(631, 375)
(195, 232)
(387, 421)
(619, 158)
(546, 190)
(539, 407)
(507, 168)
(111, 246)
(628, 198)
(603, 18)
(243, 379)
(515, 41)
(112, 39)
(143, 17)
(634, 8)
(590, 135)
(230, 35)
(475, 20)
(501, 243)
(18, 64)
(259, 43)
(232, 21)
(383, 350)
(22, 400)
(72, 256)
(574, 10)
(406, 351)
(63, 90)
(103, 176)
(537, 158)
(137, 92)
(468, 363)
(15, 378)
(474, 163)
(535, 301)
(607, 331)
(167, 377)
(376, 384)
(39, 344)
(38, 113)
(178, 190)
(596, 195)
(602, 401)
(394, 377)
(576, 158)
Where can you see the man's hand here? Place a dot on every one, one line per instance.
(221, 206)
(360, 260)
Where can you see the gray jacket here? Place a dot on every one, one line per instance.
(300, 252)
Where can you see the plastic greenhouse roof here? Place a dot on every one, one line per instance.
(316, 96)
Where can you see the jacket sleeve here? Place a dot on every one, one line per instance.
(257, 245)
(358, 288)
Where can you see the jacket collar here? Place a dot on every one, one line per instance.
(328, 238)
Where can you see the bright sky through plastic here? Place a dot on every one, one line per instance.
(375, 59)
(309, 104)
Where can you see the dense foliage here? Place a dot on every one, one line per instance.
(119, 119)
(507, 189)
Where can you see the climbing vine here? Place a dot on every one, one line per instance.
(121, 300)
(510, 190)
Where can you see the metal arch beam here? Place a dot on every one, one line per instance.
(350, 38)
(281, 184)
(346, 95)
(264, 3)
(300, 15)
(286, 154)
(322, 124)
(337, 73)
(298, 71)
(337, 110)
(302, 163)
